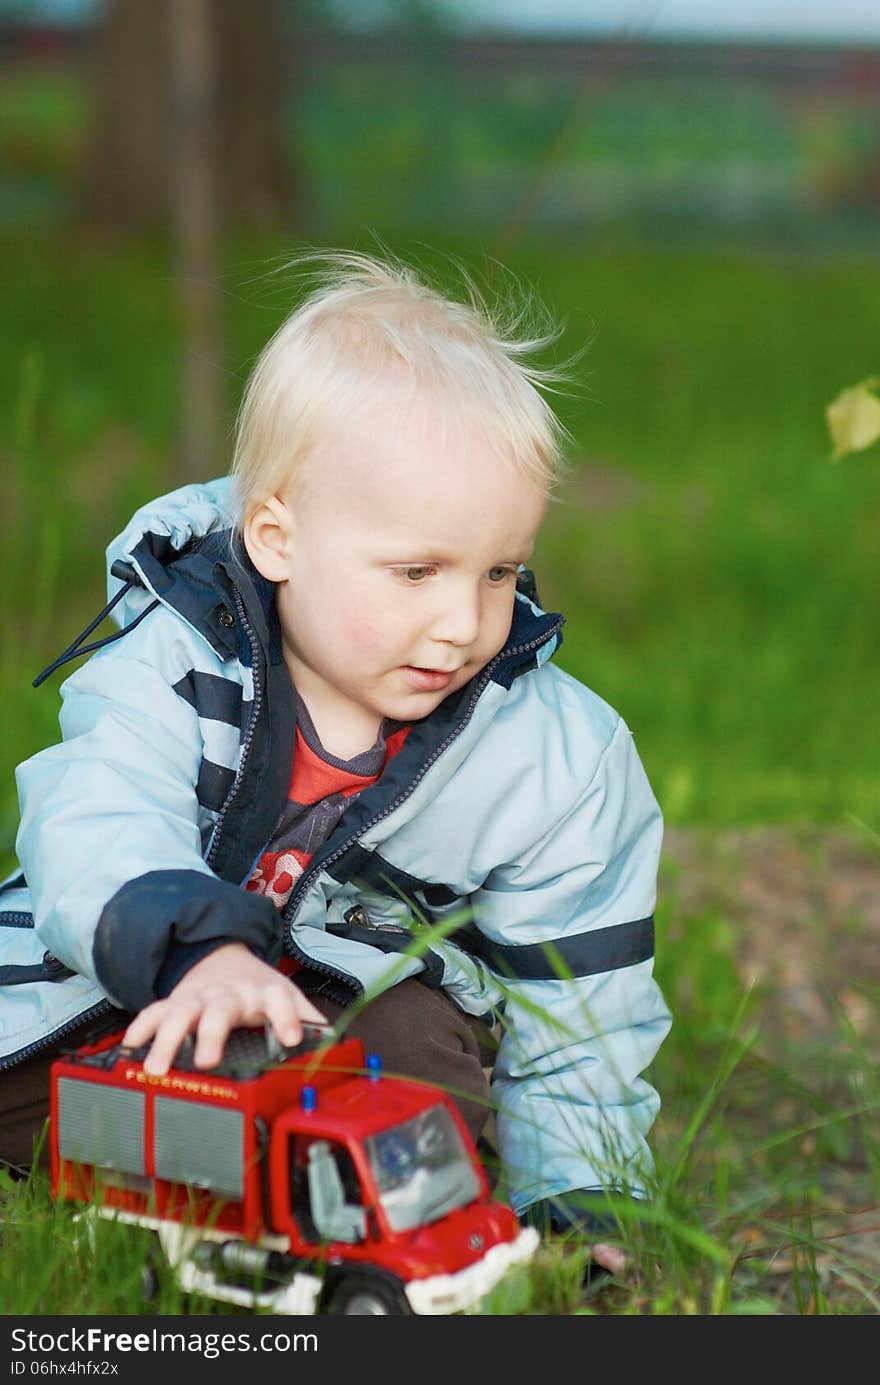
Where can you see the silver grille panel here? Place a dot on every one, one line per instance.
(198, 1144)
(101, 1125)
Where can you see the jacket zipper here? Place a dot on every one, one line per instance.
(331, 973)
(305, 879)
(21, 1055)
(10, 918)
(249, 734)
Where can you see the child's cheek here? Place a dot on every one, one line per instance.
(361, 631)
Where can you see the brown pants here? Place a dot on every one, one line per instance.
(418, 1032)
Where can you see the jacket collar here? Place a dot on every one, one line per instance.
(200, 583)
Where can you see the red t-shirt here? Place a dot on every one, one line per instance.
(321, 785)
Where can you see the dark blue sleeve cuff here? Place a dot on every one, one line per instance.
(166, 909)
(589, 1211)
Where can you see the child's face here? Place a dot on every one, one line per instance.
(396, 567)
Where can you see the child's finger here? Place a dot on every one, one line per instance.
(217, 1021)
(307, 1011)
(144, 1025)
(611, 1258)
(282, 1014)
(286, 1009)
(176, 1023)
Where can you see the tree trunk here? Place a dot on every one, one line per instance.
(195, 224)
(187, 138)
(127, 177)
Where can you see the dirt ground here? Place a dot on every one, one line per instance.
(806, 906)
(805, 910)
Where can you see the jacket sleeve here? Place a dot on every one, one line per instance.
(569, 928)
(109, 838)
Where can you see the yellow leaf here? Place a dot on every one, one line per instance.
(853, 418)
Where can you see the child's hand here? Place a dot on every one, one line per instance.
(228, 988)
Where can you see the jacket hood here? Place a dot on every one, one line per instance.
(188, 513)
(162, 530)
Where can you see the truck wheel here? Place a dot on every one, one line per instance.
(149, 1282)
(368, 1297)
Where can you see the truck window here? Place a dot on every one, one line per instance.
(300, 1191)
(422, 1169)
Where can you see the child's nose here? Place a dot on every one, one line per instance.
(458, 620)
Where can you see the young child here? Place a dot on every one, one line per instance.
(329, 757)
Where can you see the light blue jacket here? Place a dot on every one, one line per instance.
(508, 853)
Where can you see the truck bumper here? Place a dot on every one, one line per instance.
(453, 1293)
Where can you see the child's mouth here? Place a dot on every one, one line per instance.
(426, 679)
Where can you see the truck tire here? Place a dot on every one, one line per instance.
(368, 1296)
(150, 1281)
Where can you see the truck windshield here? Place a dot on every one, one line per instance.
(422, 1169)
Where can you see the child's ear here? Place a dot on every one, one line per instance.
(267, 535)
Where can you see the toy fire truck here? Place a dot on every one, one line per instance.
(296, 1180)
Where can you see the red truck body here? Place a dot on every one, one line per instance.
(302, 1180)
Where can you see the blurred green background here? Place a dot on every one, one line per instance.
(703, 213)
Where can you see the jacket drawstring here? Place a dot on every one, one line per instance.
(130, 579)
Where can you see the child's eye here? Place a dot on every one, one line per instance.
(417, 573)
(498, 574)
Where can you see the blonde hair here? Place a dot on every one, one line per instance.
(371, 318)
